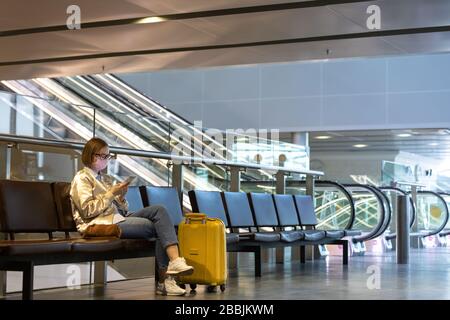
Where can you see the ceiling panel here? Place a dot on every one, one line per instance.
(24, 14)
(204, 58)
(243, 28)
(421, 43)
(399, 14)
(124, 46)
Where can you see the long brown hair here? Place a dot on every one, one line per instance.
(92, 147)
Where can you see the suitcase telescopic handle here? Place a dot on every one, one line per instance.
(196, 217)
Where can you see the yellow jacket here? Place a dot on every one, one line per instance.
(92, 202)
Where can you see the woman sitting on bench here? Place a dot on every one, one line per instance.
(96, 200)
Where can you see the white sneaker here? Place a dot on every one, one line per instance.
(169, 288)
(179, 267)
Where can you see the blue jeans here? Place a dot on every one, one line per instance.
(151, 222)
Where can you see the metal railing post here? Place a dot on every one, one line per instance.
(5, 173)
(8, 161)
(280, 188)
(3, 157)
(177, 179)
(3, 276)
(235, 186)
(310, 187)
(310, 191)
(402, 247)
(235, 179)
(415, 242)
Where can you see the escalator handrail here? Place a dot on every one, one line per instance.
(444, 194)
(383, 223)
(187, 122)
(344, 191)
(389, 211)
(413, 205)
(447, 213)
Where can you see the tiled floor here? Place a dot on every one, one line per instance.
(426, 277)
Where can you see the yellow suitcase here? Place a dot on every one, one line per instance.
(202, 243)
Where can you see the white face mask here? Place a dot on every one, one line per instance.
(100, 164)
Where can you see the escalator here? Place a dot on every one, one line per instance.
(446, 230)
(373, 211)
(392, 193)
(432, 214)
(125, 118)
(79, 120)
(428, 216)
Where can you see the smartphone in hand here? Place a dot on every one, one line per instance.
(129, 179)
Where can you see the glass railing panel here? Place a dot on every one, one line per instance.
(332, 208)
(205, 177)
(447, 201)
(149, 171)
(430, 212)
(40, 118)
(254, 180)
(44, 164)
(367, 211)
(392, 196)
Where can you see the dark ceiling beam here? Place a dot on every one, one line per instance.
(184, 16)
(370, 34)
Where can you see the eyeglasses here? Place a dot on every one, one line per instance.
(104, 156)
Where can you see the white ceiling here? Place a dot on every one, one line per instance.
(432, 143)
(182, 42)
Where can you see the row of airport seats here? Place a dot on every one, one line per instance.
(43, 208)
(254, 221)
(37, 219)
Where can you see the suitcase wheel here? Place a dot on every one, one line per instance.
(193, 287)
(222, 287)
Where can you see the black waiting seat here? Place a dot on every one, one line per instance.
(44, 208)
(61, 195)
(19, 248)
(210, 203)
(133, 246)
(266, 216)
(305, 209)
(257, 211)
(134, 199)
(240, 216)
(287, 214)
(167, 197)
(28, 207)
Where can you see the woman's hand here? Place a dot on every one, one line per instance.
(119, 189)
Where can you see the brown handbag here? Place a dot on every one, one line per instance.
(102, 230)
